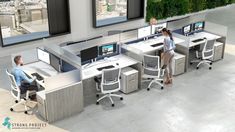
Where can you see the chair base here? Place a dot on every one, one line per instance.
(200, 62)
(157, 81)
(109, 95)
(24, 103)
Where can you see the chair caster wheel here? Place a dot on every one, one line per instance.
(97, 103)
(97, 95)
(16, 101)
(191, 63)
(11, 109)
(210, 68)
(162, 88)
(121, 98)
(161, 81)
(26, 112)
(148, 89)
(113, 105)
(211, 63)
(197, 68)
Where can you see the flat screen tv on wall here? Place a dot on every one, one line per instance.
(108, 12)
(162, 9)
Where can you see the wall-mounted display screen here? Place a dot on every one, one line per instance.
(23, 20)
(108, 12)
(27, 20)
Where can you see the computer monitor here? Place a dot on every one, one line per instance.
(55, 62)
(198, 26)
(157, 29)
(144, 32)
(187, 29)
(108, 49)
(89, 54)
(43, 56)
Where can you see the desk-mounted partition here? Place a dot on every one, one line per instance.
(128, 36)
(216, 28)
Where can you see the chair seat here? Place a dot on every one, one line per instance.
(151, 72)
(146, 76)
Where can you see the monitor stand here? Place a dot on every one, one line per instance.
(89, 64)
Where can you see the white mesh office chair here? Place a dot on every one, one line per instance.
(16, 93)
(152, 70)
(205, 55)
(109, 84)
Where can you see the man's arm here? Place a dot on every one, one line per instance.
(26, 78)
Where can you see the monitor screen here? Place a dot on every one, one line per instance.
(108, 49)
(55, 62)
(43, 56)
(89, 54)
(157, 29)
(187, 29)
(144, 32)
(198, 26)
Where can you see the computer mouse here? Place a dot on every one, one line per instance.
(117, 63)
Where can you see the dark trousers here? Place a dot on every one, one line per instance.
(27, 86)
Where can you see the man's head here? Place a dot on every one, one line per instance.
(18, 60)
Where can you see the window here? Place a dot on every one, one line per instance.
(23, 20)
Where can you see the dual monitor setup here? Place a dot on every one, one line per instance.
(92, 54)
(145, 32)
(193, 28)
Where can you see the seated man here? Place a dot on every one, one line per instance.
(24, 82)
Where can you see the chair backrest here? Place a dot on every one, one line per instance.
(151, 65)
(15, 90)
(110, 80)
(208, 49)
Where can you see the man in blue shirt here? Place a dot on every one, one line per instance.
(22, 80)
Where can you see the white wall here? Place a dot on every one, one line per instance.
(81, 28)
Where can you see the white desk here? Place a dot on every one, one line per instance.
(146, 46)
(43, 69)
(91, 70)
(202, 35)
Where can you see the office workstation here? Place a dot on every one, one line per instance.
(134, 65)
(197, 34)
(48, 68)
(97, 55)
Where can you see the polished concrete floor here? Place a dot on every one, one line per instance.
(199, 101)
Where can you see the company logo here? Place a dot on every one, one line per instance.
(7, 123)
(22, 125)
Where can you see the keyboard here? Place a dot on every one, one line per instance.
(39, 78)
(105, 67)
(156, 45)
(198, 40)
